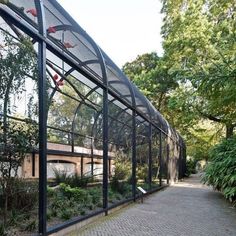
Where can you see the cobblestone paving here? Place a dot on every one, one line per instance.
(185, 209)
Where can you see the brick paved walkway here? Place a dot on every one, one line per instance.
(186, 209)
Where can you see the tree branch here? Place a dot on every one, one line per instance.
(210, 117)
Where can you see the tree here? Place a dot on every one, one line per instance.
(148, 72)
(70, 111)
(20, 138)
(17, 62)
(151, 74)
(199, 43)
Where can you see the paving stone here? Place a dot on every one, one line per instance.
(185, 209)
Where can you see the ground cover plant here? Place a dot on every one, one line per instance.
(221, 170)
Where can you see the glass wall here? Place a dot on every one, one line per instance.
(74, 160)
(155, 150)
(165, 159)
(120, 148)
(19, 131)
(77, 137)
(142, 153)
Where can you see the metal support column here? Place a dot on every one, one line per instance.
(73, 141)
(134, 162)
(92, 159)
(167, 163)
(160, 159)
(42, 122)
(150, 156)
(105, 149)
(81, 166)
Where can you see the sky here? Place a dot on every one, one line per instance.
(124, 29)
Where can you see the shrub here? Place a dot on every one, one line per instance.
(30, 225)
(96, 195)
(74, 180)
(3, 230)
(50, 192)
(60, 176)
(142, 173)
(22, 194)
(221, 170)
(191, 167)
(114, 196)
(65, 202)
(122, 166)
(82, 212)
(121, 173)
(16, 140)
(66, 214)
(78, 194)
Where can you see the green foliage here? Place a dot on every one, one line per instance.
(122, 166)
(221, 170)
(66, 214)
(16, 140)
(73, 180)
(191, 167)
(63, 109)
(60, 176)
(24, 194)
(122, 170)
(114, 195)
(66, 202)
(149, 73)
(76, 180)
(121, 187)
(199, 44)
(18, 62)
(30, 225)
(176, 101)
(78, 194)
(120, 181)
(95, 194)
(142, 173)
(22, 202)
(3, 231)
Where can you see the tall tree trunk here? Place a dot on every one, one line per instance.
(160, 102)
(229, 130)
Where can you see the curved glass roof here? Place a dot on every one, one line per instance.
(66, 37)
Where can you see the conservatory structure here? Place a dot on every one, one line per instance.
(76, 134)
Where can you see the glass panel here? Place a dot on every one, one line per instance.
(26, 9)
(74, 160)
(142, 151)
(165, 159)
(120, 153)
(18, 134)
(155, 157)
(118, 82)
(71, 40)
(173, 161)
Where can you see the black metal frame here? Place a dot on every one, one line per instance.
(134, 101)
